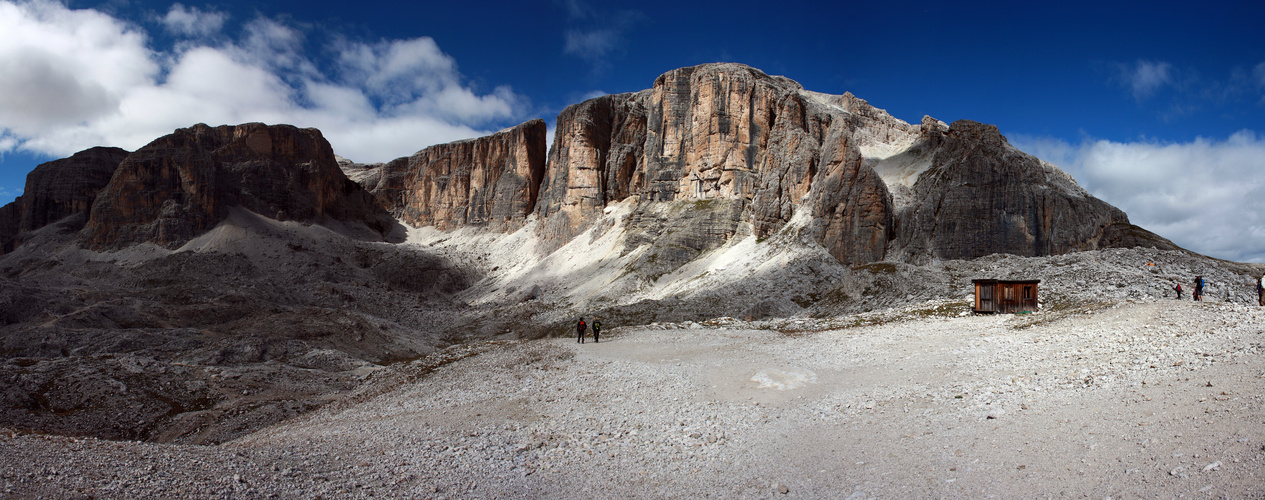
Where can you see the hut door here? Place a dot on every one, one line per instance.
(984, 295)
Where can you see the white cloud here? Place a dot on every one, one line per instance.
(415, 78)
(192, 21)
(60, 67)
(1145, 78)
(1207, 195)
(73, 79)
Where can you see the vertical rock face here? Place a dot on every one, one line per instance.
(56, 190)
(770, 148)
(709, 130)
(719, 131)
(183, 184)
(597, 158)
(491, 181)
(757, 151)
(982, 196)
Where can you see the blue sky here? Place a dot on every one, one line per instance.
(1158, 108)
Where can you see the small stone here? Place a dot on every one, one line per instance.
(1213, 466)
(781, 488)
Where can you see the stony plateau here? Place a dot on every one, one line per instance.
(218, 285)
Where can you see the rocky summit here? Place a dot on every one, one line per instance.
(219, 284)
(871, 186)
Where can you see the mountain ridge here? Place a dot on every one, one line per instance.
(217, 259)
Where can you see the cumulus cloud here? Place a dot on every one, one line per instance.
(1205, 195)
(72, 79)
(192, 21)
(414, 77)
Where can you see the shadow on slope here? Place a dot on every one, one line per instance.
(246, 325)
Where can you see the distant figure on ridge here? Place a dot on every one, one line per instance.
(597, 330)
(579, 331)
(1178, 288)
(1199, 287)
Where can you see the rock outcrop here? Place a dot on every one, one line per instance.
(718, 131)
(873, 187)
(56, 190)
(489, 182)
(982, 196)
(869, 186)
(597, 158)
(183, 184)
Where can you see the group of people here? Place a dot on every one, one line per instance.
(581, 327)
(1199, 289)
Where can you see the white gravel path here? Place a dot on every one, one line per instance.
(1141, 399)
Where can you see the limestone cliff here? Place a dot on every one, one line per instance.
(982, 196)
(763, 153)
(875, 187)
(489, 182)
(183, 184)
(56, 190)
(597, 158)
(727, 132)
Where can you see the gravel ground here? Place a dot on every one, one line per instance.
(1137, 399)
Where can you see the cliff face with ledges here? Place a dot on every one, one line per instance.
(183, 184)
(869, 186)
(490, 181)
(982, 196)
(597, 158)
(722, 131)
(56, 190)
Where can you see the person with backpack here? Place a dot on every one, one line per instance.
(1178, 288)
(1199, 287)
(1260, 291)
(597, 330)
(579, 331)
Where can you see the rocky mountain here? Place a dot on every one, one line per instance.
(220, 279)
(759, 149)
(58, 190)
(184, 184)
(490, 181)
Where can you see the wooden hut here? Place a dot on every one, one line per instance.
(1005, 296)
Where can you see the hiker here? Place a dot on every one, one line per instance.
(579, 331)
(597, 330)
(1178, 288)
(1199, 287)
